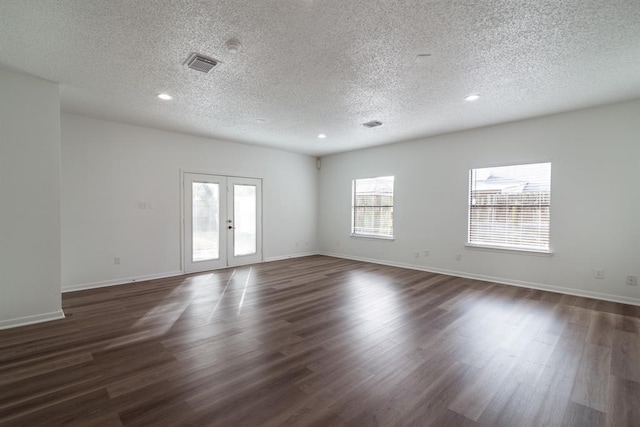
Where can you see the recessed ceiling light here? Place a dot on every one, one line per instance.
(165, 97)
(472, 97)
(260, 120)
(322, 136)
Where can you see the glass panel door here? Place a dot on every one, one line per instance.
(222, 221)
(245, 209)
(244, 218)
(205, 197)
(204, 212)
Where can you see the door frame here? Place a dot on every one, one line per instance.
(183, 196)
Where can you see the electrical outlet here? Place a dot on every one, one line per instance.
(458, 257)
(632, 280)
(416, 254)
(337, 242)
(297, 243)
(116, 260)
(426, 252)
(598, 274)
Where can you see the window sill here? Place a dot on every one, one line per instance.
(372, 236)
(510, 250)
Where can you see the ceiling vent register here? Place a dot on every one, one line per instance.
(201, 63)
(372, 124)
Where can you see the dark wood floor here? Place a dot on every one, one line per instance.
(323, 341)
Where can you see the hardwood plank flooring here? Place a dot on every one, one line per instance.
(320, 341)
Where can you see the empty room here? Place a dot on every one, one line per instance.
(319, 213)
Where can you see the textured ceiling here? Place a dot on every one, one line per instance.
(310, 66)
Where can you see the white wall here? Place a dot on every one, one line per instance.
(107, 168)
(595, 208)
(29, 200)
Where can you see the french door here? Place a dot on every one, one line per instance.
(222, 221)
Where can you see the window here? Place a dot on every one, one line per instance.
(509, 207)
(372, 207)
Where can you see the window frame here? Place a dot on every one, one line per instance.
(353, 233)
(506, 248)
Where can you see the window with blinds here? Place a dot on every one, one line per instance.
(372, 207)
(509, 207)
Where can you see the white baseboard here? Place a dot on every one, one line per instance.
(500, 280)
(122, 281)
(280, 258)
(29, 320)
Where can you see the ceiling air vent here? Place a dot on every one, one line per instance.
(201, 63)
(372, 124)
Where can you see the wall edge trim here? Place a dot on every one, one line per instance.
(127, 280)
(30, 320)
(122, 281)
(283, 257)
(499, 280)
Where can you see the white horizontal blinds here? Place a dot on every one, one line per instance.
(373, 206)
(509, 206)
